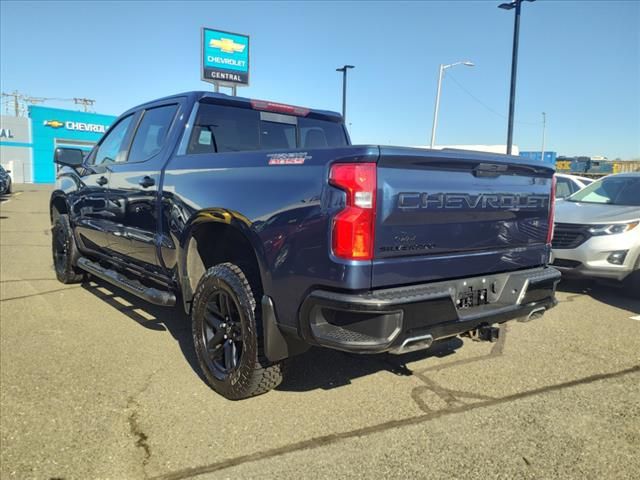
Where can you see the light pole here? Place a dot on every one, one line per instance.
(514, 65)
(544, 127)
(435, 110)
(344, 89)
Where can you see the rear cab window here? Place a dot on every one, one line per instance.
(222, 128)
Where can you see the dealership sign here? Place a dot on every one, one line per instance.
(225, 57)
(77, 126)
(6, 133)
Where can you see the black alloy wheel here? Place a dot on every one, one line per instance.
(222, 334)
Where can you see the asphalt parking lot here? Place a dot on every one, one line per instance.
(97, 384)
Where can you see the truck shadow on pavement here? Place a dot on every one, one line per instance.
(323, 368)
(319, 368)
(601, 292)
(172, 320)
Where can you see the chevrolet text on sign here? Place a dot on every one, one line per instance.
(225, 57)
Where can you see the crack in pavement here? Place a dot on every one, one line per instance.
(392, 424)
(571, 298)
(25, 245)
(142, 439)
(454, 397)
(496, 351)
(39, 293)
(16, 280)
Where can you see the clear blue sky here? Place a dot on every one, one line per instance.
(579, 62)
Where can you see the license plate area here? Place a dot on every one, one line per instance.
(472, 296)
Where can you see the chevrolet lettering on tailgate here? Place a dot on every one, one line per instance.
(498, 201)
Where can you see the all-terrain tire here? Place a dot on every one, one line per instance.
(64, 250)
(254, 374)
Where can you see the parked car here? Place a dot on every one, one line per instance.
(569, 184)
(597, 231)
(277, 234)
(5, 181)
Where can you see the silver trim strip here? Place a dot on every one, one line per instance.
(184, 142)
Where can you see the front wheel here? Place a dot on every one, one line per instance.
(228, 336)
(65, 252)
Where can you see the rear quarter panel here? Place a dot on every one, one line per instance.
(284, 210)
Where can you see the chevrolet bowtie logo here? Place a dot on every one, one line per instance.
(53, 123)
(227, 45)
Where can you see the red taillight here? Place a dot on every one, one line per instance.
(552, 209)
(279, 108)
(353, 227)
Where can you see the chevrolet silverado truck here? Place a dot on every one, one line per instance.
(274, 233)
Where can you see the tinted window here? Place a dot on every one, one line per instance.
(318, 133)
(277, 135)
(152, 132)
(112, 144)
(225, 129)
(231, 129)
(611, 190)
(563, 188)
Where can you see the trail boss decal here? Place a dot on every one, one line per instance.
(297, 158)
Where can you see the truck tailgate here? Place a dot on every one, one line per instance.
(453, 213)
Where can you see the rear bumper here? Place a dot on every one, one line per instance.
(386, 320)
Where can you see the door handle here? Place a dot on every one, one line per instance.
(147, 182)
(102, 180)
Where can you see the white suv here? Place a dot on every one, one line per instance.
(597, 231)
(569, 184)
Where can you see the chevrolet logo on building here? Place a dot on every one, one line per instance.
(53, 123)
(227, 45)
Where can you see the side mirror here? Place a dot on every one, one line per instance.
(8, 171)
(69, 157)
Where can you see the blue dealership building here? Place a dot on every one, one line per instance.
(27, 143)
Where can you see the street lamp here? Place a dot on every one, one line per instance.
(544, 127)
(514, 65)
(344, 89)
(435, 111)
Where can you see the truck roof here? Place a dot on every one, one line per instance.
(222, 98)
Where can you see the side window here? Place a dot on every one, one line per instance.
(320, 134)
(152, 132)
(220, 128)
(563, 188)
(111, 146)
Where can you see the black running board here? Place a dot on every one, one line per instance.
(152, 295)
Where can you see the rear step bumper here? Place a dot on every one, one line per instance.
(152, 295)
(399, 320)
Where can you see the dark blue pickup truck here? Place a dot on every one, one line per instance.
(276, 234)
